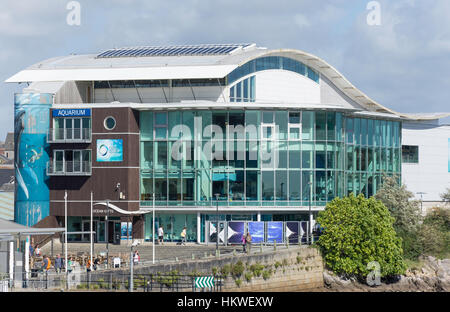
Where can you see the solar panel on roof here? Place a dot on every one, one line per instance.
(211, 49)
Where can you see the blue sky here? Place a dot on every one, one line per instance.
(403, 63)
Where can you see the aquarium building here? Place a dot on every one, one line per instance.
(195, 133)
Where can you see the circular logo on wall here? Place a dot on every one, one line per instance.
(103, 150)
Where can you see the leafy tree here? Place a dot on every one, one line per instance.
(406, 213)
(446, 195)
(399, 201)
(356, 232)
(434, 235)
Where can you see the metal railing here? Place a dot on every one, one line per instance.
(116, 282)
(70, 168)
(69, 135)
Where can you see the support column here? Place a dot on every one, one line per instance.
(11, 262)
(199, 229)
(258, 218)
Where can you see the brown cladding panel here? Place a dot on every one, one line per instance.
(105, 175)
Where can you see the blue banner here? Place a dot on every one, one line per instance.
(31, 122)
(256, 230)
(292, 231)
(236, 230)
(109, 150)
(84, 112)
(275, 232)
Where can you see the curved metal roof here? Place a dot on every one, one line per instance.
(91, 68)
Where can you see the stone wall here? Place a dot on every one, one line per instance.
(296, 269)
(293, 269)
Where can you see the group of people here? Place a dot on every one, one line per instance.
(183, 235)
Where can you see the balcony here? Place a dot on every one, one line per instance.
(69, 168)
(69, 135)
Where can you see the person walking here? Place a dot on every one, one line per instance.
(136, 258)
(88, 265)
(69, 265)
(31, 250)
(96, 263)
(37, 251)
(58, 264)
(46, 264)
(244, 241)
(248, 242)
(183, 236)
(161, 235)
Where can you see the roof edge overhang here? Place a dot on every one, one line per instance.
(111, 74)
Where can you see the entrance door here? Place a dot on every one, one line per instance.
(101, 229)
(86, 228)
(111, 231)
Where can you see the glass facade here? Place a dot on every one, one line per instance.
(272, 62)
(251, 158)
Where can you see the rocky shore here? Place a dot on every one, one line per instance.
(434, 276)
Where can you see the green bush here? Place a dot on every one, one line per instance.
(257, 269)
(238, 282)
(214, 270)
(248, 276)
(356, 232)
(434, 234)
(238, 269)
(277, 265)
(266, 274)
(225, 270)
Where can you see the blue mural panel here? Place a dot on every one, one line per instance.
(275, 232)
(292, 231)
(236, 230)
(31, 123)
(109, 150)
(256, 230)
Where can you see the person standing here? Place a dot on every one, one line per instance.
(88, 265)
(58, 264)
(161, 235)
(183, 236)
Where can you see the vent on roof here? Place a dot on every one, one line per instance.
(207, 49)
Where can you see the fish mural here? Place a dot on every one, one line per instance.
(31, 123)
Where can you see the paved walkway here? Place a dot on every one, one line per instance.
(166, 252)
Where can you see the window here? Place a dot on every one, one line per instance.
(110, 123)
(70, 161)
(410, 154)
(71, 129)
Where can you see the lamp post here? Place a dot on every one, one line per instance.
(134, 244)
(310, 214)
(107, 234)
(421, 200)
(153, 236)
(217, 222)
